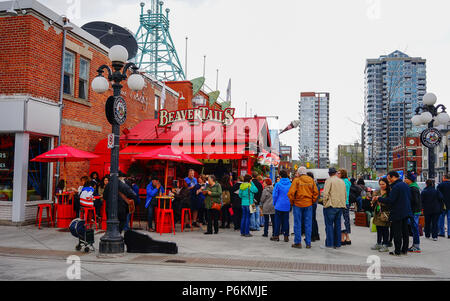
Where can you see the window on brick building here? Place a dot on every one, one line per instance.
(69, 66)
(157, 105)
(83, 79)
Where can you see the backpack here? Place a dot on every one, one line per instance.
(226, 197)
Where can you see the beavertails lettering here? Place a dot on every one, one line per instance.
(198, 114)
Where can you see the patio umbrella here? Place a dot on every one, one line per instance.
(166, 153)
(64, 154)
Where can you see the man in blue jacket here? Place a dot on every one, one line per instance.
(400, 201)
(444, 188)
(153, 189)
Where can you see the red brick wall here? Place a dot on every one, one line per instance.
(30, 60)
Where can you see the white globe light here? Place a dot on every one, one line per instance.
(417, 120)
(136, 82)
(429, 99)
(100, 84)
(436, 122)
(443, 118)
(118, 53)
(426, 117)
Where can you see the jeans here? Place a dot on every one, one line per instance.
(237, 217)
(441, 223)
(315, 226)
(245, 221)
(346, 215)
(150, 216)
(266, 223)
(431, 225)
(255, 220)
(382, 235)
(127, 224)
(414, 222)
(333, 226)
(401, 235)
(359, 202)
(300, 212)
(281, 221)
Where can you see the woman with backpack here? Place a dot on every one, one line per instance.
(247, 191)
(226, 201)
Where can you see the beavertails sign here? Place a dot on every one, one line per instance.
(202, 114)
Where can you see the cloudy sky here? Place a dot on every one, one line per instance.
(273, 50)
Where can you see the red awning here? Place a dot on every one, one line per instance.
(132, 150)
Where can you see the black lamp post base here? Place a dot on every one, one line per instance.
(111, 247)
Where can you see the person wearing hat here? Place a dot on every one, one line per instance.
(334, 202)
(416, 207)
(125, 202)
(302, 194)
(153, 189)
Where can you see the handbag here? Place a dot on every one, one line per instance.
(252, 208)
(216, 206)
(373, 227)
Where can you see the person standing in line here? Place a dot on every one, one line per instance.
(199, 199)
(282, 207)
(363, 195)
(345, 236)
(381, 218)
(355, 194)
(267, 207)
(444, 189)
(226, 200)
(399, 199)
(236, 203)
(432, 201)
(247, 192)
(416, 207)
(334, 202)
(302, 194)
(213, 193)
(255, 220)
(315, 226)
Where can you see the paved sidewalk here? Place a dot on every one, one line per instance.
(27, 253)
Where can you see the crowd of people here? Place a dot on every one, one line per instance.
(251, 202)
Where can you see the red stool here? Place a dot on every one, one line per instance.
(183, 213)
(85, 212)
(162, 212)
(49, 214)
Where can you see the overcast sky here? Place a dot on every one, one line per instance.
(273, 50)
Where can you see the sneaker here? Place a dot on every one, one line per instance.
(394, 254)
(383, 249)
(376, 247)
(248, 235)
(308, 246)
(435, 239)
(414, 249)
(297, 246)
(275, 238)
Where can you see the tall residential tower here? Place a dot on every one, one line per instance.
(394, 86)
(314, 129)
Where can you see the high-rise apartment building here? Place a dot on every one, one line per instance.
(394, 86)
(314, 129)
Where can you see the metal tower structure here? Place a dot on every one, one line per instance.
(157, 55)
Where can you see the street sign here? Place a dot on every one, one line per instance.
(111, 141)
(431, 137)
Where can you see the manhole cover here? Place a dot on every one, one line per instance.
(175, 261)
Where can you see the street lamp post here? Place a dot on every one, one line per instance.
(112, 242)
(431, 137)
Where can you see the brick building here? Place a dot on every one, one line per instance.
(408, 156)
(30, 79)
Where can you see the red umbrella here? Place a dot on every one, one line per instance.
(64, 154)
(167, 153)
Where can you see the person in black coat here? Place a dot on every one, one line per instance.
(400, 201)
(444, 188)
(355, 194)
(432, 202)
(125, 203)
